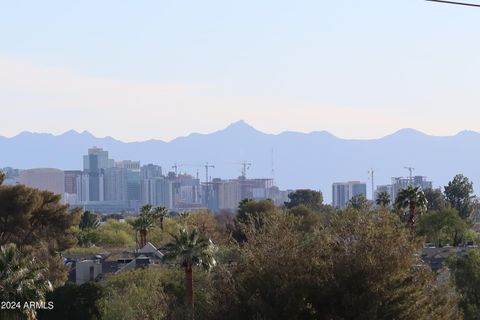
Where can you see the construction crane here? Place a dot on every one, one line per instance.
(207, 166)
(245, 166)
(207, 187)
(455, 2)
(410, 169)
(176, 166)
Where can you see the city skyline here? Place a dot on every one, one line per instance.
(109, 184)
(162, 70)
(312, 160)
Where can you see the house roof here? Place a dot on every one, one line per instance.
(150, 249)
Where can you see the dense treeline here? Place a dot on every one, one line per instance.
(304, 260)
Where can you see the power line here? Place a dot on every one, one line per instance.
(457, 3)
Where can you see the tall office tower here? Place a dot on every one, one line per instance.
(94, 165)
(157, 191)
(150, 171)
(115, 184)
(97, 159)
(399, 183)
(186, 191)
(342, 192)
(149, 174)
(48, 179)
(226, 195)
(71, 180)
(132, 169)
(422, 182)
(257, 189)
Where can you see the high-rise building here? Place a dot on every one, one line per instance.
(84, 191)
(71, 180)
(97, 159)
(115, 184)
(186, 191)
(342, 192)
(150, 171)
(157, 191)
(399, 183)
(225, 195)
(48, 179)
(94, 164)
(154, 188)
(133, 178)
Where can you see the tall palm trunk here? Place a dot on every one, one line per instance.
(136, 240)
(143, 238)
(189, 290)
(411, 219)
(161, 223)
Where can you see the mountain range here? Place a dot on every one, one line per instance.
(299, 160)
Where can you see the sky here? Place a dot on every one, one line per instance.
(139, 70)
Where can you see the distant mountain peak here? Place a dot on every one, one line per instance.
(70, 132)
(406, 132)
(468, 133)
(28, 134)
(409, 131)
(240, 125)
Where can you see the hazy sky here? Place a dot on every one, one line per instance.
(159, 69)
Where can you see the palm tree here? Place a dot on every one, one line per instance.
(383, 199)
(414, 199)
(358, 202)
(21, 280)
(190, 249)
(160, 214)
(144, 222)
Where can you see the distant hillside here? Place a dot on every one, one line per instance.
(313, 160)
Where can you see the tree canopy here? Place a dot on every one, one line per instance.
(361, 266)
(459, 194)
(36, 221)
(22, 280)
(435, 199)
(75, 302)
(358, 202)
(383, 199)
(89, 220)
(413, 199)
(442, 227)
(309, 198)
(466, 276)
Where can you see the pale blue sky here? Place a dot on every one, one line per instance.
(158, 69)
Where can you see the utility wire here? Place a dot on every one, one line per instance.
(457, 3)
